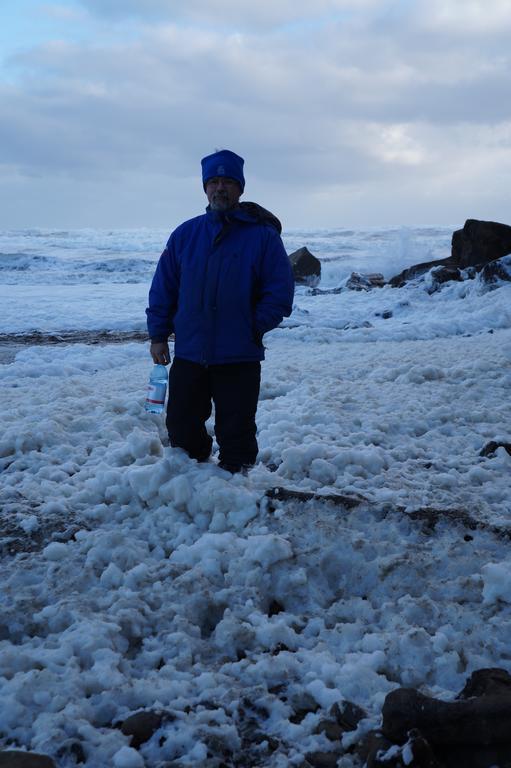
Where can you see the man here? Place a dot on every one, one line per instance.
(222, 282)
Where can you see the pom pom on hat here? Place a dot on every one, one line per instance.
(223, 163)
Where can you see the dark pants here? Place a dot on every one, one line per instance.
(234, 389)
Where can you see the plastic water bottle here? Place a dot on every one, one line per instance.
(156, 389)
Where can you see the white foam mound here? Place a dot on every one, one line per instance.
(144, 580)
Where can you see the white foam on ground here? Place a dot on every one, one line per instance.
(159, 595)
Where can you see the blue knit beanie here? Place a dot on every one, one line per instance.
(223, 163)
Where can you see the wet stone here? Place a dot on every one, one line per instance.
(74, 748)
(17, 759)
(274, 608)
(481, 720)
(491, 681)
(347, 715)
(142, 725)
(323, 759)
(332, 730)
(491, 448)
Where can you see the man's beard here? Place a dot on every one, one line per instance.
(220, 202)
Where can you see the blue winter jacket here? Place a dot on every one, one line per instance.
(223, 280)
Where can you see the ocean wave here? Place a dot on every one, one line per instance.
(22, 267)
(94, 257)
(140, 266)
(21, 262)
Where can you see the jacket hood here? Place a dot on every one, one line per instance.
(261, 215)
(249, 212)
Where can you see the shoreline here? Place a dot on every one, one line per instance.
(12, 343)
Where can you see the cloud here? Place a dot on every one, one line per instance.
(61, 12)
(229, 13)
(383, 97)
(476, 17)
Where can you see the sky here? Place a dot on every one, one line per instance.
(349, 113)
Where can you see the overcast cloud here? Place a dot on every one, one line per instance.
(348, 112)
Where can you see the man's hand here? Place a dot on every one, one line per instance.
(160, 352)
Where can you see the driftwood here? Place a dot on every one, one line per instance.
(36, 338)
(429, 516)
(291, 494)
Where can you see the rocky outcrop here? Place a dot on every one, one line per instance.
(481, 246)
(480, 242)
(418, 270)
(440, 275)
(496, 272)
(306, 267)
(478, 720)
(421, 732)
(359, 282)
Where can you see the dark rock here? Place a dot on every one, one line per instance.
(372, 743)
(279, 690)
(376, 279)
(491, 447)
(358, 282)
(275, 608)
(212, 706)
(217, 747)
(75, 749)
(78, 752)
(484, 720)
(331, 729)
(487, 682)
(348, 715)
(303, 704)
(386, 314)
(440, 275)
(301, 713)
(496, 272)
(323, 759)
(17, 759)
(421, 751)
(352, 326)
(418, 270)
(142, 725)
(417, 753)
(258, 709)
(306, 267)
(474, 248)
(279, 648)
(475, 757)
(480, 242)
(324, 291)
(260, 738)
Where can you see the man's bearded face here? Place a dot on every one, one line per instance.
(222, 193)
